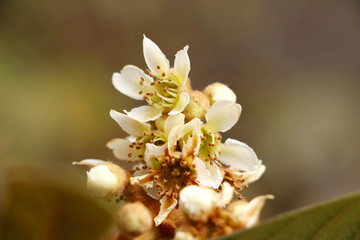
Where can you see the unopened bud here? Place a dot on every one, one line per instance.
(198, 106)
(182, 235)
(106, 180)
(217, 91)
(134, 219)
(198, 203)
(246, 214)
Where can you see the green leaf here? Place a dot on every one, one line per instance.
(40, 207)
(338, 219)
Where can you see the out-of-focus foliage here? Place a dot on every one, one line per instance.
(294, 66)
(337, 219)
(43, 206)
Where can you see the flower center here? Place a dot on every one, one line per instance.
(163, 91)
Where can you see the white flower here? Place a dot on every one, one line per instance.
(105, 179)
(161, 87)
(246, 214)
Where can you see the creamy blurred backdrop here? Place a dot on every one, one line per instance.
(294, 65)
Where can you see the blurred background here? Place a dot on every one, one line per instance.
(294, 65)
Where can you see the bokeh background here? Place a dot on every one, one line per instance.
(294, 65)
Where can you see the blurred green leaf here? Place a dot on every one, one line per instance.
(40, 207)
(337, 219)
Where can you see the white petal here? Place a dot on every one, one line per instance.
(130, 125)
(182, 64)
(225, 195)
(238, 155)
(138, 179)
(252, 176)
(181, 104)
(193, 144)
(101, 181)
(172, 139)
(167, 205)
(122, 150)
(154, 57)
(89, 162)
(223, 115)
(128, 81)
(145, 113)
(207, 175)
(172, 121)
(153, 151)
(246, 214)
(149, 187)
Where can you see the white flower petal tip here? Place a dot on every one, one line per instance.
(127, 81)
(181, 104)
(207, 175)
(223, 115)
(154, 57)
(238, 155)
(130, 125)
(197, 203)
(219, 91)
(246, 214)
(252, 176)
(167, 205)
(90, 162)
(182, 64)
(144, 113)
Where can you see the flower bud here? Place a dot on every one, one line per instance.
(181, 235)
(106, 180)
(217, 91)
(246, 214)
(198, 106)
(198, 203)
(134, 219)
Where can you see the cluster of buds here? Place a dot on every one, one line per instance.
(183, 177)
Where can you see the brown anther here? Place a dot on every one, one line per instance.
(209, 155)
(209, 133)
(152, 134)
(141, 143)
(145, 97)
(206, 160)
(215, 158)
(159, 82)
(138, 147)
(149, 94)
(203, 138)
(147, 71)
(209, 144)
(144, 167)
(131, 146)
(152, 84)
(129, 155)
(137, 168)
(140, 92)
(140, 156)
(144, 134)
(163, 74)
(151, 75)
(194, 165)
(158, 66)
(211, 163)
(141, 83)
(219, 138)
